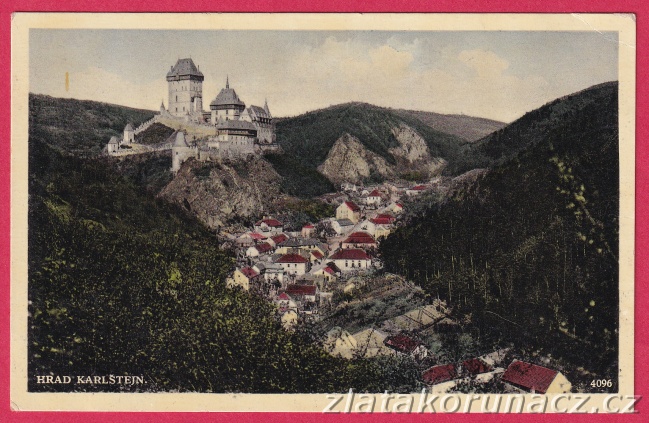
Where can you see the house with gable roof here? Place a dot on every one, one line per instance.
(527, 377)
(348, 210)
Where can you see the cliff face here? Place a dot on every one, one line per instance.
(220, 194)
(348, 160)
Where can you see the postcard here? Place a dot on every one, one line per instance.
(323, 212)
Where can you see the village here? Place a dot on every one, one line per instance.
(304, 273)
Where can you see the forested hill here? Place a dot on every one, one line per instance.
(81, 127)
(311, 136)
(534, 127)
(531, 249)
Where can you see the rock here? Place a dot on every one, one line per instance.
(348, 160)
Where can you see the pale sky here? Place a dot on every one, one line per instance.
(498, 75)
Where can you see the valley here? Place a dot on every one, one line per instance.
(405, 249)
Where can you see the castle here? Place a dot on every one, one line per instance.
(228, 129)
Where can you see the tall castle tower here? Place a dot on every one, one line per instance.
(185, 82)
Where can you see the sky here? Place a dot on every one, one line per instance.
(497, 75)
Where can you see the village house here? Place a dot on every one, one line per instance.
(325, 273)
(294, 264)
(244, 278)
(359, 240)
(373, 198)
(316, 256)
(382, 231)
(278, 240)
(526, 377)
(348, 210)
(395, 208)
(308, 230)
(303, 293)
(269, 226)
(367, 226)
(351, 259)
(259, 249)
(341, 226)
(440, 374)
(270, 272)
(300, 245)
(383, 219)
(406, 345)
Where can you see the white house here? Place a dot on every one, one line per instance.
(342, 226)
(351, 259)
(294, 264)
(373, 198)
(269, 226)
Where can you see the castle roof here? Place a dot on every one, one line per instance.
(129, 127)
(180, 140)
(184, 69)
(236, 124)
(113, 140)
(259, 112)
(227, 97)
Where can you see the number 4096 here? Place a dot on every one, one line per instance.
(601, 383)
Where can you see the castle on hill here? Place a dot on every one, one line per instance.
(229, 128)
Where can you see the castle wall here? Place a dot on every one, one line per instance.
(193, 129)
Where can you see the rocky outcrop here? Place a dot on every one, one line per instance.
(412, 147)
(222, 193)
(348, 160)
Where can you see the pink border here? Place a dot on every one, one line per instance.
(639, 7)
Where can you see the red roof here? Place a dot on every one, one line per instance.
(264, 247)
(398, 205)
(439, 374)
(249, 272)
(273, 223)
(283, 296)
(258, 236)
(301, 289)
(350, 254)
(529, 376)
(419, 188)
(278, 239)
(382, 221)
(292, 258)
(352, 206)
(329, 270)
(359, 238)
(375, 193)
(475, 366)
(402, 343)
(308, 226)
(317, 254)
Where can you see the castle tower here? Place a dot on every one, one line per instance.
(185, 83)
(129, 134)
(226, 105)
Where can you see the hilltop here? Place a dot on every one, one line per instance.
(466, 127)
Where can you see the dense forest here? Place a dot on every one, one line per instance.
(530, 250)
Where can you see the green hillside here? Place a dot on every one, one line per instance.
(530, 250)
(79, 126)
(534, 127)
(310, 136)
